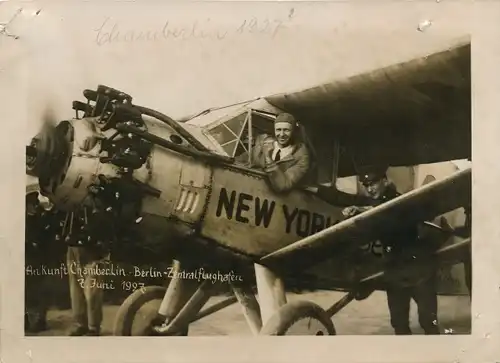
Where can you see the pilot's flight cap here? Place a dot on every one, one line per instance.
(285, 117)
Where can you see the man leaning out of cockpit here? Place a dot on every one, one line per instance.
(284, 158)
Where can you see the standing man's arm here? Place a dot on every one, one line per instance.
(354, 210)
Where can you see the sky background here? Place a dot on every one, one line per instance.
(237, 51)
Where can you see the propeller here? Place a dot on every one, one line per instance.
(39, 150)
(48, 152)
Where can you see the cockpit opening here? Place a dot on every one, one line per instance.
(236, 136)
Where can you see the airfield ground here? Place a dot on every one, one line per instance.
(368, 317)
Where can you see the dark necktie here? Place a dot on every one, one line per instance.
(278, 155)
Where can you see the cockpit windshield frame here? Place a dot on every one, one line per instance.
(228, 137)
(237, 138)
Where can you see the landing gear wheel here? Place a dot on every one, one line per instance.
(299, 318)
(139, 312)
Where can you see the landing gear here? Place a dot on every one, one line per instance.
(299, 318)
(156, 310)
(139, 313)
(280, 317)
(160, 311)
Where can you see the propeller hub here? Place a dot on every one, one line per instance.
(49, 155)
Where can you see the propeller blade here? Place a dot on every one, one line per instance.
(43, 144)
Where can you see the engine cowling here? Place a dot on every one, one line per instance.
(117, 167)
(85, 157)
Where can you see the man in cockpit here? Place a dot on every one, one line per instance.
(284, 158)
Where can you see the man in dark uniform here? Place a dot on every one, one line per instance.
(35, 304)
(40, 230)
(402, 243)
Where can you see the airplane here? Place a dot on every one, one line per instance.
(192, 187)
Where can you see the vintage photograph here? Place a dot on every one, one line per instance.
(271, 173)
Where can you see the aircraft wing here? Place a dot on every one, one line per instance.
(425, 203)
(419, 111)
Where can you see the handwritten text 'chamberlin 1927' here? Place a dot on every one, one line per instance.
(111, 31)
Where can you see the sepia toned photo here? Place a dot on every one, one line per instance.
(239, 183)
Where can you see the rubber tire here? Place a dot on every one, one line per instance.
(125, 316)
(293, 311)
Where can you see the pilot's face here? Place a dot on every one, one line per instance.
(375, 189)
(283, 133)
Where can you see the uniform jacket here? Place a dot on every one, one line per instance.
(397, 236)
(402, 242)
(400, 234)
(286, 173)
(405, 239)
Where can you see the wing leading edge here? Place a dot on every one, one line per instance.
(421, 204)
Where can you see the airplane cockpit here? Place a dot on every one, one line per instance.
(232, 132)
(234, 135)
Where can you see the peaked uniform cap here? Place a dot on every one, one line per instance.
(372, 176)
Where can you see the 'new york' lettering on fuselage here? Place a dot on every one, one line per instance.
(242, 207)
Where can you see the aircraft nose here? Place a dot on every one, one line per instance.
(49, 154)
